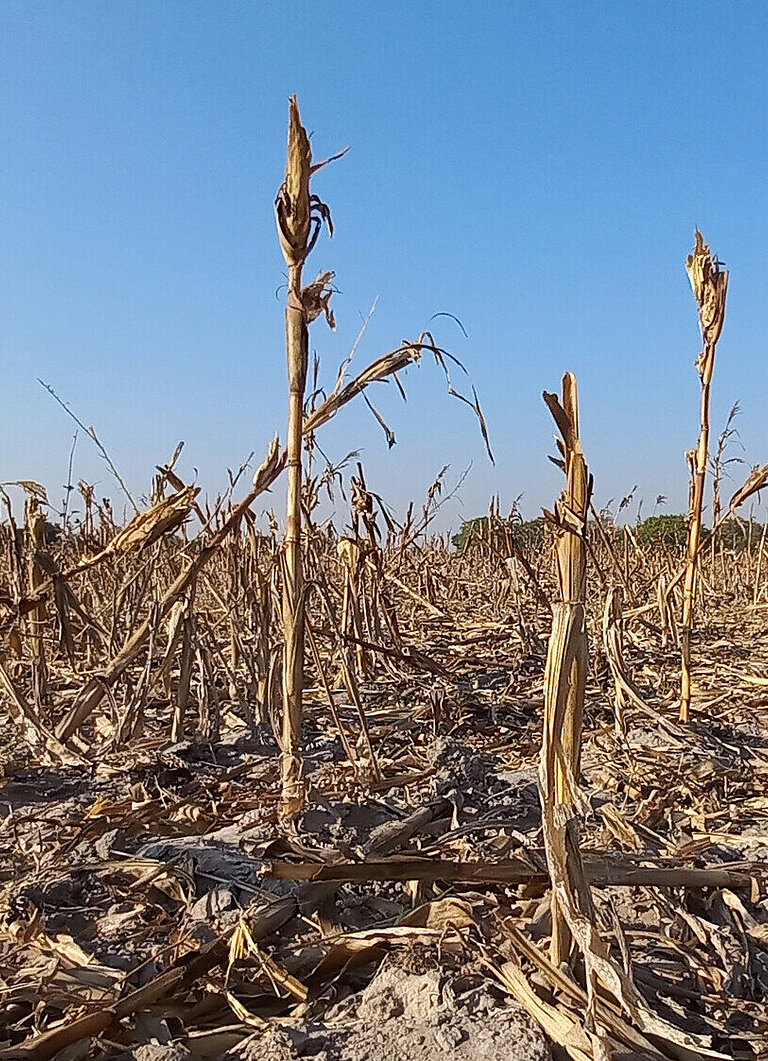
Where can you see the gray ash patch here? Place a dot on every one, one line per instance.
(410, 1016)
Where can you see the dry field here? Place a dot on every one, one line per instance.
(347, 796)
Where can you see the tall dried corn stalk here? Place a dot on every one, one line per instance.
(299, 216)
(567, 661)
(710, 285)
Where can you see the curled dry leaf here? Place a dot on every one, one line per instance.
(292, 205)
(709, 282)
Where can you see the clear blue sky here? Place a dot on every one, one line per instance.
(534, 168)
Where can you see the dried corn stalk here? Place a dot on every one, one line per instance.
(613, 645)
(299, 217)
(567, 661)
(34, 539)
(564, 683)
(292, 208)
(710, 285)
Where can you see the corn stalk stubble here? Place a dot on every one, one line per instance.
(95, 689)
(573, 917)
(565, 674)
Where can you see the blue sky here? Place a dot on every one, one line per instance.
(536, 169)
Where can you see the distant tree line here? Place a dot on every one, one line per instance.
(669, 530)
(735, 534)
(530, 533)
